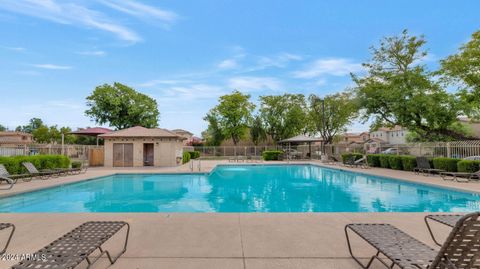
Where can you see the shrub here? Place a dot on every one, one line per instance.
(395, 162)
(384, 161)
(76, 164)
(186, 157)
(373, 160)
(408, 162)
(272, 155)
(14, 164)
(468, 166)
(194, 154)
(447, 164)
(347, 156)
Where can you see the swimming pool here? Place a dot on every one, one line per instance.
(244, 188)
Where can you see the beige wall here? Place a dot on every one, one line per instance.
(166, 150)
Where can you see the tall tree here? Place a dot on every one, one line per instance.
(42, 135)
(332, 115)
(463, 69)
(257, 131)
(32, 125)
(2, 128)
(122, 107)
(399, 90)
(284, 116)
(213, 135)
(233, 115)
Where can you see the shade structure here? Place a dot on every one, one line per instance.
(301, 139)
(95, 131)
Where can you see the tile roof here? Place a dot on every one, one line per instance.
(139, 131)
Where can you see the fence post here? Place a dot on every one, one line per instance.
(449, 150)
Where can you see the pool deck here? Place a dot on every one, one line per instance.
(221, 240)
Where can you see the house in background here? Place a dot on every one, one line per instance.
(473, 125)
(140, 146)
(15, 139)
(392, 136)
(189, 138)
(354, 138)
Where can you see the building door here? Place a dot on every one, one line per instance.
(122, 154)
(148, 154)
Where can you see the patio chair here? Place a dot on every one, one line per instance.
(4, 226)
(362, 162)
(43, 174)
(7, 180)
(4, 173)
(350, 161)
(423, 166)
(461, 176)
(447, 220)
(460, 250)
(76, 246)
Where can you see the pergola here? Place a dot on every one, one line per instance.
(301, 139)
(95, 131)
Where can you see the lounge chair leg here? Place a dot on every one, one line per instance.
(114, 259)
(8, 241)
(351, 253)
(430, 231)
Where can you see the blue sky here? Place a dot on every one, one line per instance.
(186, 54)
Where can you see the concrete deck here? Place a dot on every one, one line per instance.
(220, 240)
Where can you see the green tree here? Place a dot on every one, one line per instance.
(213, 135)
(122, 107)
(32, 125)
(42, 135)
(284, 116)
(399, 90)
(2, 128)
(68, 138)
(257, 131)
(332, 115)
(233, 115)
(463, 69)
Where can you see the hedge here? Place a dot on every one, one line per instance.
(395, 162)
(14, 164)
(347, 156)
(373, 160)
(186, 157)
(447, 164)
(76, 164)
(468, 166)
(194, 154)
(398, 162)
(408, 162)
(272, 155)
(384, 161)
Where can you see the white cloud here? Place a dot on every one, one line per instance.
(329, 66)
(52, 66)
(92, 53)
(193, 92)
(254, 83)
(228, 64)
(69, 13)
(279, 61)
(141, 10)
(157, 82)
(18, 49)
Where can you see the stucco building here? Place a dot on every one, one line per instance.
(139, 146)
(392, 136)
(15, 139)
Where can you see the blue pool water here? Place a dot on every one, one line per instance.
(259, 188)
